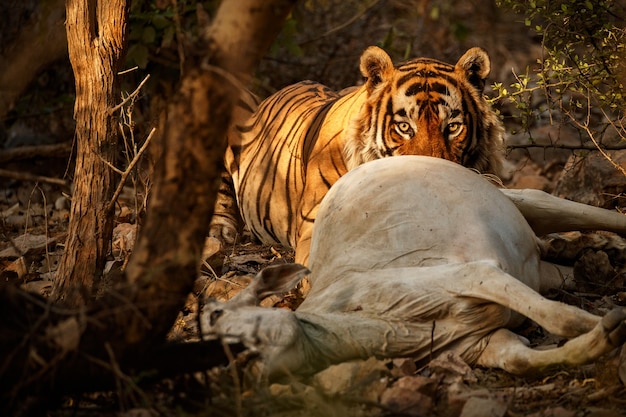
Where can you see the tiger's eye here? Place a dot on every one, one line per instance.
(404, 128)
(453, 128)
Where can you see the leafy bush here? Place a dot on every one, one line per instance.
(583, 71)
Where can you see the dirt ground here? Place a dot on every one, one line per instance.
(34, 218)
(444, 387)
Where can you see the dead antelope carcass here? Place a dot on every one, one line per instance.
(416, 255)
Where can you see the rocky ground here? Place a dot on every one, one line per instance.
(34, 217)
(446, 387)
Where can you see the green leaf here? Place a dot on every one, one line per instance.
(149, 35)
(160, 22)
(168, 36)
(434, 13)
(138, 54)
(136, 30)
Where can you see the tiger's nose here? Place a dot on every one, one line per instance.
(429, 145)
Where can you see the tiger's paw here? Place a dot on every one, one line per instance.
(223, 230)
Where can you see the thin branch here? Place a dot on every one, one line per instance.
(594, 147)
(604, 154)
(180, 37)
(585, 126)
(131, 96)
(130, 167)
(110, 165)
(126, 71)
(225, 74)
(24, 176)
(235, 376)
(347, 23)
(58, 150)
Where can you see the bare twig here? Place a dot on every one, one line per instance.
(602, 151)
(210, 268)
(58, 150)
(347, 23)
(225, 74)
(126, 71)
(110, 165)
(128, 170)
(24, 176)
(569, 147)
(235, 376)
(585, 126)
(180, 36)
(131, 96)
(45, 214)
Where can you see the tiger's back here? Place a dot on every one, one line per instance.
(268, 157)
(302, 139)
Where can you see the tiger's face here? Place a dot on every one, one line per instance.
(426, 107)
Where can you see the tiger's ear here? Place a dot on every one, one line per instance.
(376, 66)
(476, 65)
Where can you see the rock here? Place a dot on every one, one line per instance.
(61, 203)
(28, 244)
(593, 271)
(483, 407)
(403, 367)
(548, 138)
(621, 370)
(124, 236)
(529, 175)
(369, 377)
(451, 367)
(594, 180)
(411, 395)
(555, 412)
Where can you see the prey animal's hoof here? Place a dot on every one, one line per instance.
(614, 324)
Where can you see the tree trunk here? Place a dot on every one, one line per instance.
(46, 349)
(188, 176)
(95, 33)
(40, 42)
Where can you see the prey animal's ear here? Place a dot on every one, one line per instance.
(476, 65)
(376, 66)
(277, 279)
(274, 279)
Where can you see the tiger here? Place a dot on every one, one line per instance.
(282, 159)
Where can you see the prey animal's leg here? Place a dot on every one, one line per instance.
(549, 214)
(507, 351)
(485, 280)
(553, 276)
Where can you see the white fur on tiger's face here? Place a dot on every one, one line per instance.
(284, 158)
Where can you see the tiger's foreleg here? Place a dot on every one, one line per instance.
(226, 219)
